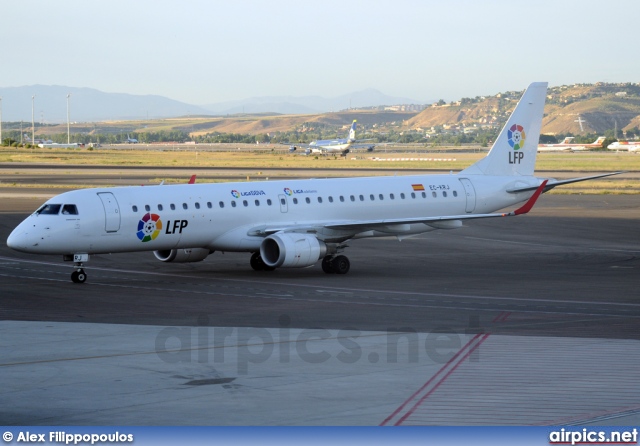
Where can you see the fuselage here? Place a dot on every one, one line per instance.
(328, 145)
(231, 216)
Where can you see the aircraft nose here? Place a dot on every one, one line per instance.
(18, 239)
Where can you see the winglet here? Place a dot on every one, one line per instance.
(192, 180)
(529, 204)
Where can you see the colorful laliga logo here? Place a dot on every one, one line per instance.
(235, 193)
(288, 191)
(149, 227)
(516, 136)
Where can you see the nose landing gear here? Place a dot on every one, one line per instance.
(78, 276)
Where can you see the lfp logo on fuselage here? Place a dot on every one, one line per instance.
(149, 227)
(516, 138)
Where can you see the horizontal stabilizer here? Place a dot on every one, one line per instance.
(551, 184)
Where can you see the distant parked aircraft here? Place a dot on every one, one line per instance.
(131, 140)
(631, 146)
(567, 146)
(36, 140)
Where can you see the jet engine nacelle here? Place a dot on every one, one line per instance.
(291, 250)
(182, 255)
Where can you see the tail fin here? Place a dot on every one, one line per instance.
(567, 140)
(599, 141)
(514, 152)
(352, 131)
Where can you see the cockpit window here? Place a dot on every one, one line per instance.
(49, 209)
(69, 209)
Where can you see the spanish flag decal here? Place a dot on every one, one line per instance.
(417, 187)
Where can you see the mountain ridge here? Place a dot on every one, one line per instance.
(92, 105)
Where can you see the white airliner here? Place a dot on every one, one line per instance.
(341, 146)
(631, 146)
(567, 146)
(290, 223)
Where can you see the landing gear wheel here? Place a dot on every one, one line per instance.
(79, 276)
(340, 265)
(258, 264)
(326, 265)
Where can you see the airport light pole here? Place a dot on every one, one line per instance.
(68, 134)
(33, 125)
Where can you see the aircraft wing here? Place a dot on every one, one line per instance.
(365, 225)
(553, 183)
(358, 146)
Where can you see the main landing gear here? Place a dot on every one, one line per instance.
(331, 264)
(78, 276)
(338, 264)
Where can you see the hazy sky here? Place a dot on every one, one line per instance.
(203, 52)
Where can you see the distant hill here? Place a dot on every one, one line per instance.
(91, 105)
(86, 105)
(307, 104)
(600, 106)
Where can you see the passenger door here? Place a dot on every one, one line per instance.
(111, 212)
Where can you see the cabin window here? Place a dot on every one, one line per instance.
(413, 195)
(424, 195)
(159, 207)
(69, 209)
(353, 198)
(268, 201)
(221, 204)
(295, 201)
(197, 205)
(402, 195)
(184, 206)
(283, 201)
(257, 202)
(320, 200)
(209, 204)
(341, 198)
(371, 197)
(233, 203)
(381, 196)
(147, 207)
(308, 200)
(435, 194)
(455, 193)
(330, 199)
(134, 208)
(172, 206)
(444, 194)
(361, 197)
(392, 196)
(245, 203)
